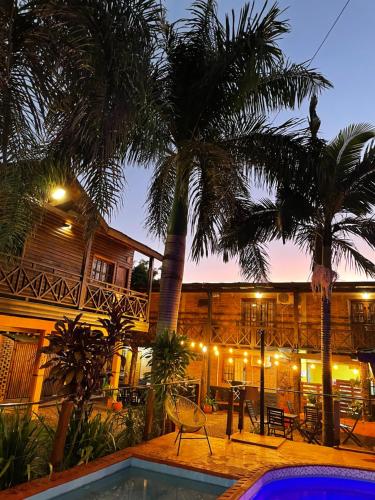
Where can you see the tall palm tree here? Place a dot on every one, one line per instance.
(322, 202)
(218, 83)
(74, 83)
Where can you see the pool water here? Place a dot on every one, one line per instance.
(135, 483)
(315, 488)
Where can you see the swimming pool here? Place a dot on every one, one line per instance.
(313, 483)
(135, 479)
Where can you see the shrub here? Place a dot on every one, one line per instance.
(24, 448)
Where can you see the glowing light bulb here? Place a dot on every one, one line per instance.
(245, 361)
(276, 363)
(295, 367)
(355, 371)
(192, 345)
(245, 354)
(312, 367)
(258, 295)
(230, 350)
(58, 194)
(215, 347)
(182, 342)
(365, 296)
(335, 367)
(204, 348)
(230, 360)
(200, 345)
(259, 361)
(277, 356)
(216, 353)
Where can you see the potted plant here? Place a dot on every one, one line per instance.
(208, 405)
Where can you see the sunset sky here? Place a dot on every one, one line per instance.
(346, 59)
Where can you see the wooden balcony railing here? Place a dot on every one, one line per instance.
(345, 338)
(37, 282)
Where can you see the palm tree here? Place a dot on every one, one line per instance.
(324, 200)
(74, 83)
(218, 82)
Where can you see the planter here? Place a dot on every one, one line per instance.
(207, 408)
(117, 406)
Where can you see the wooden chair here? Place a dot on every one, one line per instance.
(254, 418)
(291, 407)
(349, 429)
(187, 417)
(312, 425)
(276, 423)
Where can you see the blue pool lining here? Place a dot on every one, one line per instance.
(308, 471)
(132, 462)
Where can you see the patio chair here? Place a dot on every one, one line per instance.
(277, 424)
(312, 425)
(187, 417)
(349, 429)
(254, 419)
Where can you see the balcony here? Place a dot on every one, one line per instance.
(345, 337)
(34, 282)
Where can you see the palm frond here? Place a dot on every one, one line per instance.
(345, 249)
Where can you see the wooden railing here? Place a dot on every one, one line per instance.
(278, 335)
(38, 282)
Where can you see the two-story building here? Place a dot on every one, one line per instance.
(61, 274)
(223, 320)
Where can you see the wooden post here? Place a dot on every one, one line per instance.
(241, 410)
(149, 414)
(230, 413)
(365, 390)
(209, 333)
(38, 374)
(150, 276)
(261, 395)
(336, 421)
(296, 376)
(85, 272)
(57, 454)
(115, 377)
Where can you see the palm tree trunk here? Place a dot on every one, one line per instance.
(172, 271)
(326, 356)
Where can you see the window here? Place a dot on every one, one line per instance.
(363, 312)
(255, 312)
(102, 270)
(233, 370)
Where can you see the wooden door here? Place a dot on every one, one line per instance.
(122, 276)
(21, 370)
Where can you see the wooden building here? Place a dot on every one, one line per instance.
(226, 319)
(60, 274)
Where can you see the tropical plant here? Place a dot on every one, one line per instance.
(139, 279)
(323, 202)
(73, 90)
(24, 446)
(169, 360)
(131, 423)
(79, 355)
(219, 81)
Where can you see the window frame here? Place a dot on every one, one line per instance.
(104, 260)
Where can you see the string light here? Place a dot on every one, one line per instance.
(230, 350)
(245, 354)
(259, 361)
(200, 345)
(312, 366)
(216, 353)
(277, 356)
(204, 348)
(182, 342)
(276, 363)
(192, 345)
(230, 360)
(295, 367)
(245, 361)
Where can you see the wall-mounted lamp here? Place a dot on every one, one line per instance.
(365, 296)
(58, 194)
(258, 295)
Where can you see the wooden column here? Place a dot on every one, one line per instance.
(261, 394)
(229, 430)
(209, 332)
(241, 409)
(150, 277)
(296, 375)
(38, 374)
(365, 389)
(85, 272)
(115, 377)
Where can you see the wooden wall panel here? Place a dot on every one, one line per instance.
(55, 245)
(21, 370)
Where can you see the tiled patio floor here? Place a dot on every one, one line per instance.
(244, 463)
